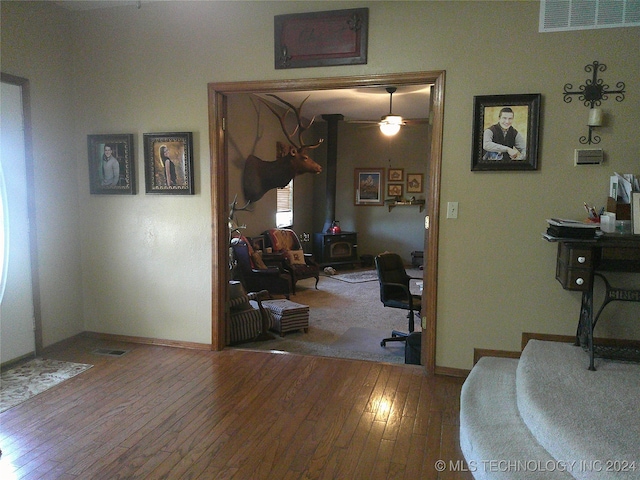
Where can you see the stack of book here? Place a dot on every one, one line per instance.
(559, 228)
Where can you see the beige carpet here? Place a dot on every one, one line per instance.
(24, 381)
(346, 320)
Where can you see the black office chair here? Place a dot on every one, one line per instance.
(395, 293)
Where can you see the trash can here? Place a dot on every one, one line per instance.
(412, 348)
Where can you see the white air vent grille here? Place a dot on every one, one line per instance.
(562, 15)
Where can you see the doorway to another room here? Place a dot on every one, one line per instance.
(219, 96)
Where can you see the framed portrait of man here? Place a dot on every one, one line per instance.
(505, 132)
(111, 164)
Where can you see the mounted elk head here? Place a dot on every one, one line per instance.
(261, 176)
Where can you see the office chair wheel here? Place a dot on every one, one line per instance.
(383, 343)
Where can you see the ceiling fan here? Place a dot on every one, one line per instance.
(390, 124)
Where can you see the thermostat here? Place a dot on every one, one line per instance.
(588, 156)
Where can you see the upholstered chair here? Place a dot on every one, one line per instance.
(299, 264)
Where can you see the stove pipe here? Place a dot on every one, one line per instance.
(332, 167)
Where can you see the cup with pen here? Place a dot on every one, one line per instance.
(593, 216)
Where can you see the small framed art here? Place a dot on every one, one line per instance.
(369, 186)
(394, 189)
(395, 175)
(168, 163)
(111, 164)
(414, 182)
(505, 132)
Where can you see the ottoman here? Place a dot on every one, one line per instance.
(288, 315)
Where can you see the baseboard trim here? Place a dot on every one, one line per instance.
(148, 341)
(451, 372)
(478, 353)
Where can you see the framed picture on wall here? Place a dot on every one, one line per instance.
(168, 163)
(395, 175)
(111, 164)
(369, 186)
(414, 182)
(394, 189)
(505, 132)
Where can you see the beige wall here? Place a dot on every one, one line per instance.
(144, 261)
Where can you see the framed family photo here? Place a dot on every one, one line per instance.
(369, 186)
(111, 164)
(505, 132)
(168, 163)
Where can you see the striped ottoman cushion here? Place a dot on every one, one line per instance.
(288, 315)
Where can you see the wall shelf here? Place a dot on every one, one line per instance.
(419, 203)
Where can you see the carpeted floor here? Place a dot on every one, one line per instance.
(24, 381)
(346, 320)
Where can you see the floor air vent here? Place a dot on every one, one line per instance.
(109, 352)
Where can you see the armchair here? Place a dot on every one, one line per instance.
(258, 277)
(395, 293)
(297, 263)
(248, 319)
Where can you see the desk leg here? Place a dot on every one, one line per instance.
(584, 333)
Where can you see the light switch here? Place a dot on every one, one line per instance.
(452, 209)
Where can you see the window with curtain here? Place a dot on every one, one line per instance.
(284, 206)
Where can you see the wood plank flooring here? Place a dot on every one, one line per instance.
(162, 412)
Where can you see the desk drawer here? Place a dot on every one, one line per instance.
(575, 256)
(579, 279)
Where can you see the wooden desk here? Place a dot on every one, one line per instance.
(580, 261)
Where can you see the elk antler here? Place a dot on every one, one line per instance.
(300, 127)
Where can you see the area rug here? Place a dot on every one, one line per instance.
(356, 277)
(29, 379)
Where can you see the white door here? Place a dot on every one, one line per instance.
(17, 337)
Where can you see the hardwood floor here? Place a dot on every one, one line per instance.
(162, 412)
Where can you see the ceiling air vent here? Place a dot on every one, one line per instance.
(563, 15)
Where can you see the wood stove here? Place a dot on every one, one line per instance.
(335, 249)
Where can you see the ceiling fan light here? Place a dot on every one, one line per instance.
(390, 124)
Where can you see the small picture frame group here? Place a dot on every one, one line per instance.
(111, 164)
(168, 163)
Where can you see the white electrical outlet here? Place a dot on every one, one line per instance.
(452, 209)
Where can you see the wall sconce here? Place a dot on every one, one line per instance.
(592, 93)
(595, 120)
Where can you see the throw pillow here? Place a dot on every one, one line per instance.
(257, 261)
(296, 257)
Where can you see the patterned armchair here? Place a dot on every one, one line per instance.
(299, 264)
(248, 319)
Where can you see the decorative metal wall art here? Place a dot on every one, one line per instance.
(592, 93)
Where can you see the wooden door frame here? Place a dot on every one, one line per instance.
(217, 96)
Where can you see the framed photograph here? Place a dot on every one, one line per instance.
(111, 164)
(414, 182)
(394, 189)
(320, 39)
(395, 175)
(505, 132)
(168, 163)
(369, 186)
